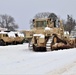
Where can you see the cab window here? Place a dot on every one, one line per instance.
(5, 35)
(41, 23)
(16, 35)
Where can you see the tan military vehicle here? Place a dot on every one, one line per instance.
(5, 38)
(48, 34)
(19, 38)
(28, 35)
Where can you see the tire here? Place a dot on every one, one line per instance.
(2, 43)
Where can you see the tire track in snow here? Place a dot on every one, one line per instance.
(63, 70)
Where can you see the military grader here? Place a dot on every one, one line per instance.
(48, 34)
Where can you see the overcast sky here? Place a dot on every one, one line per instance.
(24, 10)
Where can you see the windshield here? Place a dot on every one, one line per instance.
(41, 23)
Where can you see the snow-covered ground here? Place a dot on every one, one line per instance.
(18, 59)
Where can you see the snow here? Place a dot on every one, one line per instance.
(47, 28)
(18, 59)
(20, 34)
(11, 34)
(66, 33)
(2, 32)
(40, 35)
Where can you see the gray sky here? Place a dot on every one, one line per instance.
(24, 10)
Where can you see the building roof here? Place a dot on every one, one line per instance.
(3, 29)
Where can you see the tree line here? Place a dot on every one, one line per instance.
(69, 24)
(7, 21)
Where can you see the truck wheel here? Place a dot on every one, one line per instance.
(2, 43)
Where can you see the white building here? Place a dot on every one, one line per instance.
(3, 29)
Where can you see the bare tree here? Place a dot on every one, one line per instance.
(69, 24)
(8, 22)
(42, 15)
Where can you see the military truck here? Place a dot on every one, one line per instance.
(5, 39)
(19, 38)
